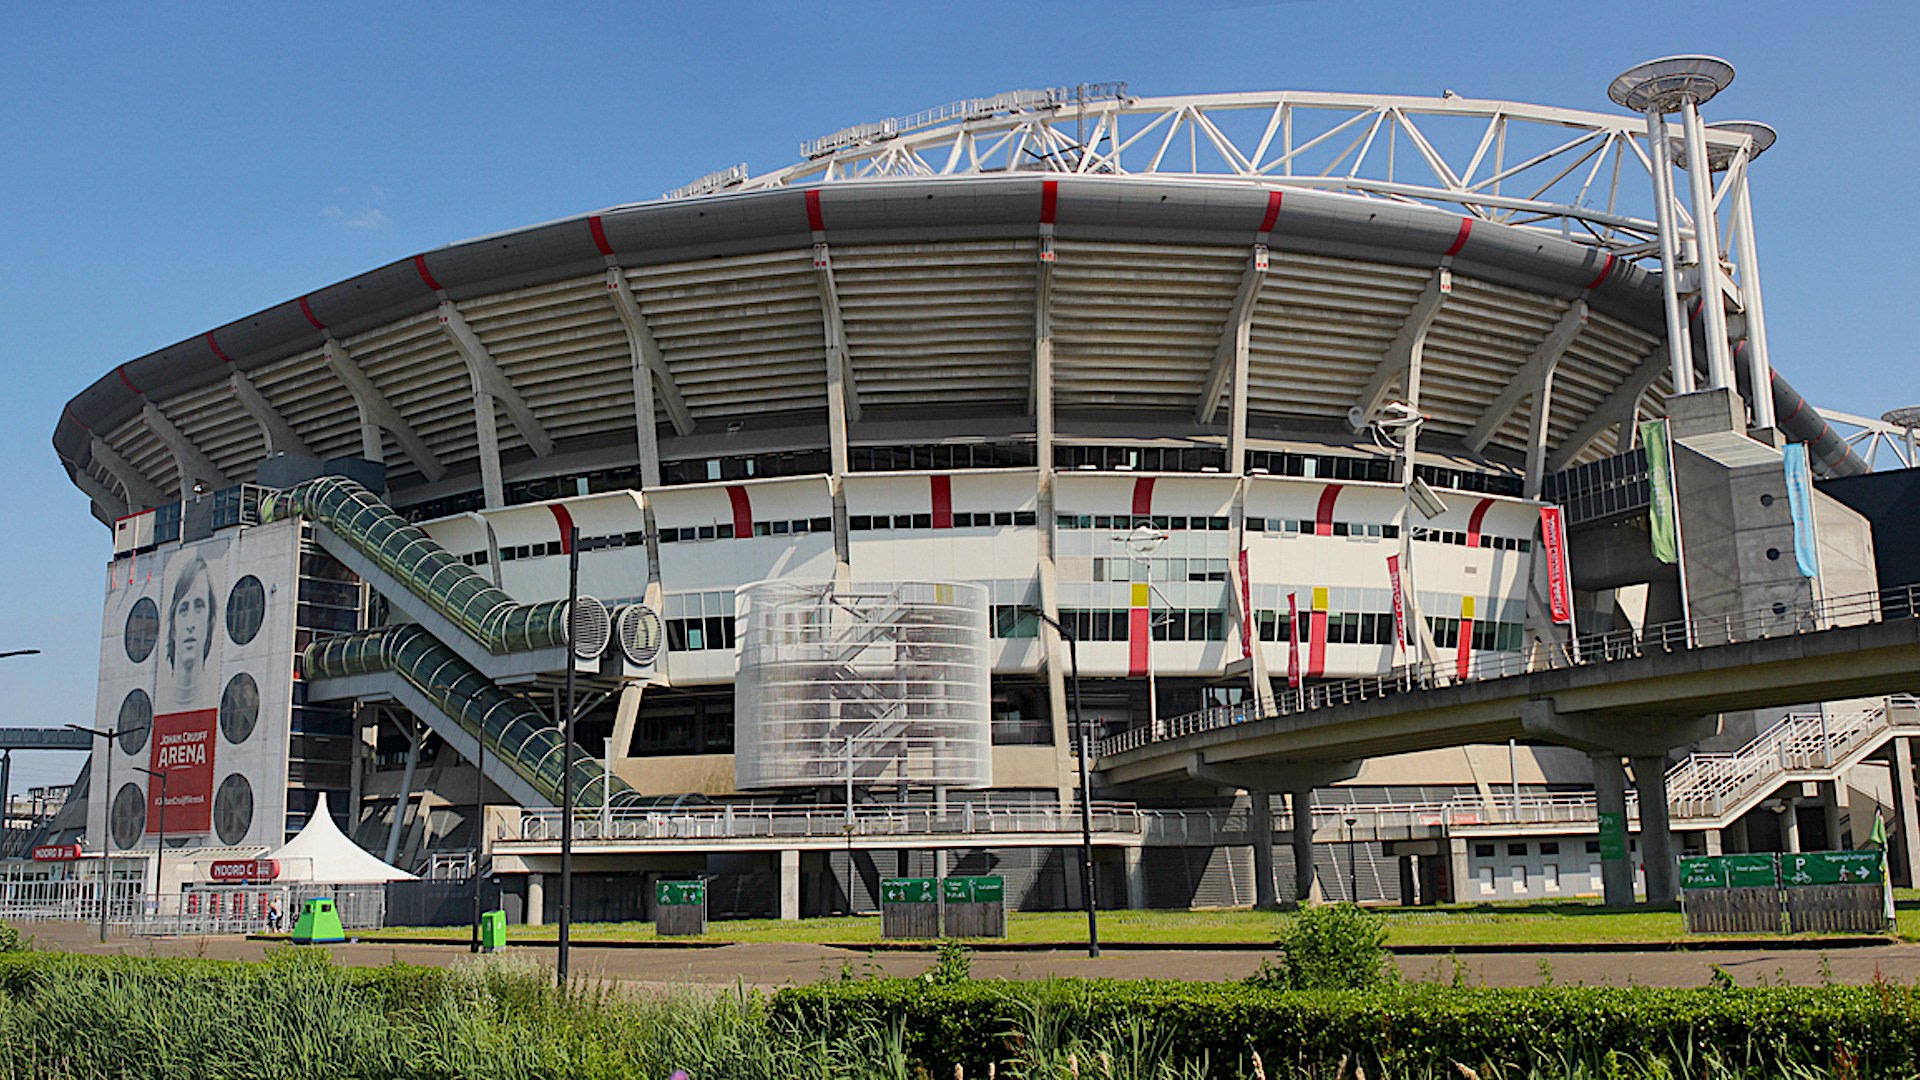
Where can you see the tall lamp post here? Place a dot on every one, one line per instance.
(160, 851)
(1086, 792)
(6, 767)
(106, 820)
(566, 754)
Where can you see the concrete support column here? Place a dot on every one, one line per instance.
(536, 899)
(1306, 885)
(1409, 891)
(1134, 862)
(1610, 793)
(1790, 824)
(1265, 896)
(1656, 836)
(1714, 845)
(1460, 873)
(789, 884)
(1906, 814)
(1830, 806)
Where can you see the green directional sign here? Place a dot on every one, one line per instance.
(1728, 872)
(1704, 872)
(906, 890)
(1831, 868)
(1752, 871)
(1613, 836)
(974, 890)
(680, 893)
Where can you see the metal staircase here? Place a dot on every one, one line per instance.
(1711, 790)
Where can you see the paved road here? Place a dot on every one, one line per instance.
(769, 965)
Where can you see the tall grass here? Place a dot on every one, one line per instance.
(299, 1016)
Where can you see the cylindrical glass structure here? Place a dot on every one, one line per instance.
(882, 682)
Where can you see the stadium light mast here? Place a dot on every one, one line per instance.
(1654, 89)
(1759, 363)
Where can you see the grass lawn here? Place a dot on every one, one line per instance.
(1464, 924)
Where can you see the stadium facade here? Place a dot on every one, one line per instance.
(1245, 392)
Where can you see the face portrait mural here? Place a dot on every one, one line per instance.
(191, 618)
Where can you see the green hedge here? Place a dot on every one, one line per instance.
(1402, 1029)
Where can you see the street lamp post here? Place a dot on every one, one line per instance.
(1086, 792)
(1353, 877)
(6, 768)
(160, 851)
(106, 820)
(566, 754)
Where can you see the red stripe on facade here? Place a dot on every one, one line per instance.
(215, 346)
(1463, 653)
(67, 414)
(942, 502)
(122, 372)
(565, 520)
(1474, 521)
(1049, 200)
(742, 511)
(1788, 419)
(1317, 644)
(1139, 634)
(1460, 241)
(1605, 269)
(599, 234)
(420, 264)
(815, 219)
(1323, 514)
(1273, 212)
(1143, 496)
(311, 317)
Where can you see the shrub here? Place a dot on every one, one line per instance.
(1331, 947)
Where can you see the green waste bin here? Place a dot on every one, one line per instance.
(493, 931)
(319, 924)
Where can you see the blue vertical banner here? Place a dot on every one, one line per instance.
(1800, 501)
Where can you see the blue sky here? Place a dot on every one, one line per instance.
(166, 168)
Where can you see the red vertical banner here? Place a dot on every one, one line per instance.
(1553, 537)
(182, 748)
(1293, 640)
(1139, 630)
(1248, 628)
(1463, 652)
(1317, 635)
(1399, 605)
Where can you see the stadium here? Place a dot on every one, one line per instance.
(1245, 394)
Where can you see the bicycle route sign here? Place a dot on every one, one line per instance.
(680, 893)
(906, 890)
(1832, 868)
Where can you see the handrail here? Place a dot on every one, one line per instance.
(1901, 602)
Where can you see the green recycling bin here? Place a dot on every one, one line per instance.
(493, 931)
(319, 924)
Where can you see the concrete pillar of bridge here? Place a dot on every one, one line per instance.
(789, 884)
(1833, 809)
(1790, 824)
(1133, 859)
(536, 899)
(1656, 834)
(1713, 841)
(1265, 896)
(1306, 883)
(1907, 823)
(1409, 891)
(1610, 795)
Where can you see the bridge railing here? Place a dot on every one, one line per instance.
(804, 822)
(1703, 631)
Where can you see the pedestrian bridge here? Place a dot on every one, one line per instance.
(1634, 693)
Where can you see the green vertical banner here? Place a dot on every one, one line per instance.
(1613, 836)
(1666, 539)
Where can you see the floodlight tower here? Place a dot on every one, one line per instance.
(1682, 84)
(1733, 161)
(1909, 419)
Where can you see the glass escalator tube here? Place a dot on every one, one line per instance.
(512, 730)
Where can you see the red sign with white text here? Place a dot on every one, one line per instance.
(244, 870)
(56, 853)
(1553, 537)
(1399, 608)
(183, 750)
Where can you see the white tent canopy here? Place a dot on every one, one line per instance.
(322, 853)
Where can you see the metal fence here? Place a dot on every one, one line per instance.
(243, 909)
